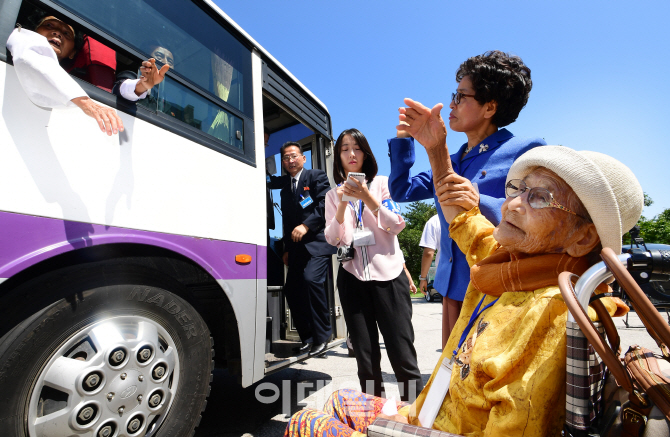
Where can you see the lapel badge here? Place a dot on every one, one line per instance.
(483, 148)
(465, 371)
(305, 188)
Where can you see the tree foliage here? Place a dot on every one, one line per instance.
(654, 230)
(416, 214)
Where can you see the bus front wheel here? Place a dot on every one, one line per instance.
(122, 357)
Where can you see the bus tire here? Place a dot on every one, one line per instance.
(113, 354)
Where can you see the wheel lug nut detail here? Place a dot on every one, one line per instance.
(134, 425)
(110, 396)
(139, 398)
(123, 376)
(155, 400)
(106, 431)
(86, 415)
(140, 378)
(117, 356)
(121, 410)
(92, 381)
(159, 371)
(144, 354)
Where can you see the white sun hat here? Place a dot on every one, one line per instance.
(607, 188)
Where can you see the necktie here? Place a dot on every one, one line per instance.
(295, 183)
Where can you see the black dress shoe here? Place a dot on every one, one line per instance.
(318, 349)
(304, 348)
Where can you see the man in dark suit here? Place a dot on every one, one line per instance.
(306, 252)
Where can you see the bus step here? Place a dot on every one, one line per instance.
(275, 287)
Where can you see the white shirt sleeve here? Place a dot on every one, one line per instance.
(127, 90)
(37, 68)
(432, 232)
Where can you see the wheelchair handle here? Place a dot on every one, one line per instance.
(591, 278)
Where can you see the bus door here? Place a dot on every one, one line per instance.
(290, 118)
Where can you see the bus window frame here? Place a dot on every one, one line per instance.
(247, 155)
(176, 126)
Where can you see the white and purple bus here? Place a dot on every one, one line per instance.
(126, 261)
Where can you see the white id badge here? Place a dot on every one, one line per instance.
(363, 237)
(438, 390)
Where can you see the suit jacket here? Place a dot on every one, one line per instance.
(487, 164)
(315, 184)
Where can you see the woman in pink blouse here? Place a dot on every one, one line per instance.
(373, 286)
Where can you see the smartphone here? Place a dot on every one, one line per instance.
(361, 179)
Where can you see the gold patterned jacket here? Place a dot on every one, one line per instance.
(515, 383)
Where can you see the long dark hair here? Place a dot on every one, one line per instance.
(369, 163)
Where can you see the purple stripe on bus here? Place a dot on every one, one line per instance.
(26, 240)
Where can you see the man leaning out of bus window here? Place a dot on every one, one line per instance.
(38, 57)
(38, 60)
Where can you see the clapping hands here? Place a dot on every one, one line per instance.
(424, 124)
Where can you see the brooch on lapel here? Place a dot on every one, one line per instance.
(305, 188)
(483, 148)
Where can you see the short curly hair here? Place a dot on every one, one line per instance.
(502, 77)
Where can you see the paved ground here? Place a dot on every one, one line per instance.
(233, 411)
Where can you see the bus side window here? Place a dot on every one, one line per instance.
(181, 103)
(96, 64)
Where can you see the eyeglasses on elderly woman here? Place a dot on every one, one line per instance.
(538, 197)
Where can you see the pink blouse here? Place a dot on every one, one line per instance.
(382, 261)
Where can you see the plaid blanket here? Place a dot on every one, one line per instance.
(585, 380)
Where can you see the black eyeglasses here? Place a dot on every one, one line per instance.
(538, 197)
(287, 158)
(457, 96)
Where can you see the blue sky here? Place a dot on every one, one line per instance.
(600, 69)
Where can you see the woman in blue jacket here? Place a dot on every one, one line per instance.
(492, 90)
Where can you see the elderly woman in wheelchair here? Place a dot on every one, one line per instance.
(503, 370)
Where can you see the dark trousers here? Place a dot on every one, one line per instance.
(387, 305)
(306, 295)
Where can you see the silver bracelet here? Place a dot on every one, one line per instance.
(423, 278)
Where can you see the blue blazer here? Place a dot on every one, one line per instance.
(487, 165)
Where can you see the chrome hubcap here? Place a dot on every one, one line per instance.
(114, 378)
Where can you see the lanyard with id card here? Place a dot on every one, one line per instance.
(440, 385)
(305, 201)
(362, 236)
